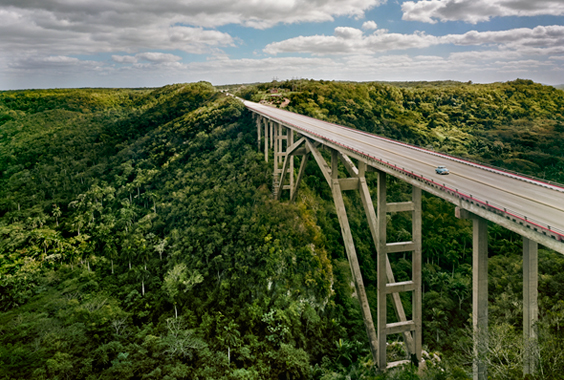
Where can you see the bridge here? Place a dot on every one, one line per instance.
(532, 208)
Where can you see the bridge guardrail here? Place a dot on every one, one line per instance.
(509, 214)
(492, 168)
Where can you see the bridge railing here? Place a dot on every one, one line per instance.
(492, 168)
(505, 212)
(509, 214)
(485, 166)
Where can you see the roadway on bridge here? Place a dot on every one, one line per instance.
(503, 190)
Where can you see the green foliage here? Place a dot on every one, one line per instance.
(138, 238)
(141, 233)
(515, 125)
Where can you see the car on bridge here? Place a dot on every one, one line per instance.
(442, 170)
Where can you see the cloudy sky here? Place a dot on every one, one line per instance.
(147, 43)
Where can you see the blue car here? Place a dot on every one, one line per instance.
(442, 170)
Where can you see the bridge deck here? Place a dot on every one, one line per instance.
(536, 203)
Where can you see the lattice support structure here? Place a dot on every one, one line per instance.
(410, 329)
(286, 145)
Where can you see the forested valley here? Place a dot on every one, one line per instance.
(139, 238)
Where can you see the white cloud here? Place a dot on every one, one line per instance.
(540, 36)
(212, 13)
(541, 40)
(481, 56)
(350, 40)
(348, 33)
(369, 25)
(478, 66)
(525, 65)
(124, 59)
(158, 57)
(56, 65)
(45, 28)
(44, 33)
(474, 11)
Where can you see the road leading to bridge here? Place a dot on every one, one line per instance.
(535, 201)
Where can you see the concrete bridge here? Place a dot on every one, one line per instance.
(529, 207)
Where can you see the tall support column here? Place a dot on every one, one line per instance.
(381, 268)
(416, 265)
(280, 139)
(480, 297)
(301, 171)
(266, 137)
(258, 132)
(275, 178)
(270, 124)
(276, 145)
(530, 306)
(416, 271)
(351, 254)
(289, 143)
(275, 137)
(479, 292)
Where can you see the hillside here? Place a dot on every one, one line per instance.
(138, 238)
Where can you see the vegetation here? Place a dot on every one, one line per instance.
(138, 238)
(516, 125)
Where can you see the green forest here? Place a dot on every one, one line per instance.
(139, 238)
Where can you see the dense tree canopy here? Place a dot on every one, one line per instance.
(138, 237)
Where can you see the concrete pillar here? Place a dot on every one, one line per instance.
(289, 143)
(351, 254)
(258, 132)
(274, 131)
(530, 306)
(279, 135)
(416, 271)
(266, 137)
(480, 297)
(277, 140)
(382, 255)
(271, 133)
(301, 172)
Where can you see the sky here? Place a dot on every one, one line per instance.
(152, 43)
